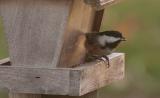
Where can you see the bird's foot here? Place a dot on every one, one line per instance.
(101, 58)
(105, 59)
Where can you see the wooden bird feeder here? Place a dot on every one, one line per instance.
(44, 39)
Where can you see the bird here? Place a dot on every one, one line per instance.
(100, 44)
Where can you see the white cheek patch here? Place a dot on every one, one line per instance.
(109, 39)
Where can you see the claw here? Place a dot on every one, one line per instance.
(105, 59)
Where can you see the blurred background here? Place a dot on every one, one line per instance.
(139, 20)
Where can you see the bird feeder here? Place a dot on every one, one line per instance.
(44, 40)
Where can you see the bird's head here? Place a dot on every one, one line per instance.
(110, 38)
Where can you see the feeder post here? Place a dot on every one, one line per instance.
(95, 27)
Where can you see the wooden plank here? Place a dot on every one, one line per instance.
(80, 21)
(99, 4)
(62, 81)
(13, 95)
(36, 80)
(35, 30)
(97, 76)
(89, 95)
(4, 61)
(98, 20)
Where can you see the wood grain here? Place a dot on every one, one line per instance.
(35, 30)
(80, 21)
(76, 81)
(97, 21)
(35, 80)
(104, 76)
(4, 61)
(13, 95)
(45, 34)
(99, 4)
(89, 95)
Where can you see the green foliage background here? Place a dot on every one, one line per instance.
(3, 43)
(139, 20)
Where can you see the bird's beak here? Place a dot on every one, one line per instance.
(123, 39)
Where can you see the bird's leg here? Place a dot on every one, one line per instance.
(105, 59)
(99, 58)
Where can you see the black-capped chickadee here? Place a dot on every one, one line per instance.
(100, 44)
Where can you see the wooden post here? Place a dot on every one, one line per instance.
(35, 30)
(95, 26)
(34, 25)
(98, 20)
(80, 21)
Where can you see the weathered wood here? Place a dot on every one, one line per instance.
(35, 30)
(35, 80)
(80, 21)
(13, 95)
(4, 61)
(98, 20)
(62, 81)
(104, 76)
(89, 95)
(99, 4)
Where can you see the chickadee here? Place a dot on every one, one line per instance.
(100, 44)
